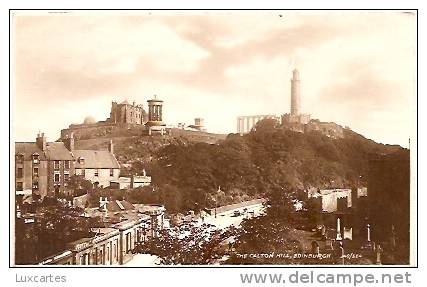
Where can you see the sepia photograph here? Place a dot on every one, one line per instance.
(150, 138)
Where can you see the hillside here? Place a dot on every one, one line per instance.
(131, 145)
(188, 168)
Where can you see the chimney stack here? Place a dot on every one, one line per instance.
(69, 142)
(41, 141)
(111, 147)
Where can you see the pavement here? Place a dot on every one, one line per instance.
(145, 260)
(222, 221)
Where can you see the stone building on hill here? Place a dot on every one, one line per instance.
(122, 114)
(296, 116)
(125, 113)
(295, 120)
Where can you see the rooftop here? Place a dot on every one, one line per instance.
(54, 151)
(95, 159)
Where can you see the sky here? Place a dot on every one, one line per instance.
(357, 68)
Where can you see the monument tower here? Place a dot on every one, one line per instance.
(295, 116)
(155, 116)
(295, 93)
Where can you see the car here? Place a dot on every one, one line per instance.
(236, 213)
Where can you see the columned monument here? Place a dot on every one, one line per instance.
(155, 116)
(246, 123)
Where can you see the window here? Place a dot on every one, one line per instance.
(111, 171)
(56, 177)
(96, 172)
(83, 172)
(114, 252)
(66, 176)
(81, 160)
(36, 171)
(20, 158)
(67, 164)
(56, 164)
(19, 172)
(36, 158)
(108, 254)
(57, 188)
(128, 242)
(19, 186)
(35, 185)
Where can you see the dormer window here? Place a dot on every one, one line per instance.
(81, 160)
(19, 158)
(36, 158)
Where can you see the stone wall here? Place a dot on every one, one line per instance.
(329, 129)
(101, 130)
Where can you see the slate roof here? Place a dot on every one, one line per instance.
(54, 151)
(58, 151)
(95, 159)
(119, 205)
(28, 149)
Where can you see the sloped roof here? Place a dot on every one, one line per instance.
(58, 151)
(54, 151)
(119, 205)
(28, 149)
(95, 159)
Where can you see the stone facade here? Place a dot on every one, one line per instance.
(199, 124)
(299, 118)
(329, 129)
(125, 113)
(295, 116)
(155, 122)
(102, 176)
(98, 166)
(112, 245)
(246, 123)
(122, 114)
(43, 168)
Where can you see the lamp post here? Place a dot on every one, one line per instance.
(368, 227)
(216, 198)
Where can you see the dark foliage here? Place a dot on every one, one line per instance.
(187, 245)
(267, 158)
(54, 226)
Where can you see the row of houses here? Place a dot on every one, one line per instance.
(113, 245)
(44, 168)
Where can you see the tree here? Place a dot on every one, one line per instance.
(80, 185)
(186, 245)
(54, 226)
